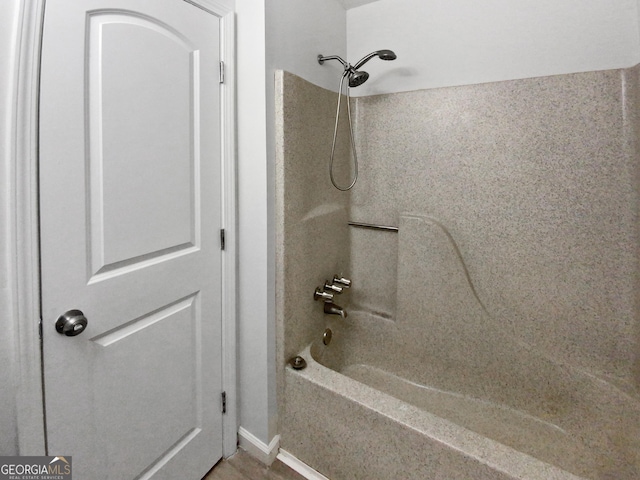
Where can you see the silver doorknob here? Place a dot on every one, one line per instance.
(71, 323)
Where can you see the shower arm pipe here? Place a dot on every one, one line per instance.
(348, 68)
(322, 59)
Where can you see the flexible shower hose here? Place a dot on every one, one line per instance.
(335, 134)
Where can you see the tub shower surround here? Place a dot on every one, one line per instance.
(312, 232)
(497, 334)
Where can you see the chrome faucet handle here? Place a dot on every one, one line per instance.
(345, 282)
(331, 287)
(320, 295)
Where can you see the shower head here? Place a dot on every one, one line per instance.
(357, 78)
(386, 55)
(382, 54)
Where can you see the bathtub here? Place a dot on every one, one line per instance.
(360, 415)
(442, 390)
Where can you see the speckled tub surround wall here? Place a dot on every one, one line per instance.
(535, 186)
(444, 354)
(537, 181)
(312, 233)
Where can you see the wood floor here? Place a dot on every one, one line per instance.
(243, 466)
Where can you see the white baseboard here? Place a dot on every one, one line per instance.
(257, 448)
(302, 468)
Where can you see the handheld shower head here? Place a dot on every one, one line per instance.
(382, 54)
(355, 78)
(386, 55)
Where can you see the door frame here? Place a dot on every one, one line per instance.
(23, 231)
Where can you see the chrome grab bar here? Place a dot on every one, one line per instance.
(373, 227)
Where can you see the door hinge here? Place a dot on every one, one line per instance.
(224, 402)
(222, 239)
(221, 72)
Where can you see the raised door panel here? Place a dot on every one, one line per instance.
(143, 148)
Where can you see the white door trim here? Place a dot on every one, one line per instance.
(226, 10)
(23, 231)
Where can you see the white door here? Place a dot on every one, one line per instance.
(130, 182)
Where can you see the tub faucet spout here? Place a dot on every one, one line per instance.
(331, 308)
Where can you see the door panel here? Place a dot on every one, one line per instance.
(129, 164)
(167, 419)
(157, 71)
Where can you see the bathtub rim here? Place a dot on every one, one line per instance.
(481, 449)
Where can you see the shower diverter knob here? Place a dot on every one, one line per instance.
(345, 282)
(332, 287)
(320, 295)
